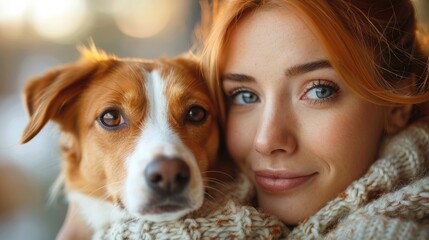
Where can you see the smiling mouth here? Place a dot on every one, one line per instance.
(280, 182)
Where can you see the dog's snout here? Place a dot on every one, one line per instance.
(167, 176)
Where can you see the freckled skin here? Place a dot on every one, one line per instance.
(286, 129)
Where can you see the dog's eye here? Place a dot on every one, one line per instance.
(196, 114)
(111, 119)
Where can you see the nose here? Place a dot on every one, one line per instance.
(276, 133)
(167, 176)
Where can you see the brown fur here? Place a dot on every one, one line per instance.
(75, 95)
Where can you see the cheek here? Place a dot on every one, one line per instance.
(348, 142)
(239, 139)
(105, 161)
(115, 178)
(92, 162)
(202, 141)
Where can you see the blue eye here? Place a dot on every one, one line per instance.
(321, 90)
(244, 97)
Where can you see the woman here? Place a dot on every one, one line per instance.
(310, 90)
(323, 105)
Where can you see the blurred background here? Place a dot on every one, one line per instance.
(37, 35)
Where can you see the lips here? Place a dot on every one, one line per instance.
(281, 181)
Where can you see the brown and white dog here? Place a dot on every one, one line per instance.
(138, 136)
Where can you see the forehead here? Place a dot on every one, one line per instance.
(271, 35)
(126, 80)
(129, 85)
(119, 81)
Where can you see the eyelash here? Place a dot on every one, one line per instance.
(232, 94)
(321, 83)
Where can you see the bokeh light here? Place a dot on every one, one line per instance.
(143, 18)
(13, 12)
(59, 20)
(38, 35)
(12, 16)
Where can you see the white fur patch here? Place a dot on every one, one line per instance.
(157, 138)
(97, 213)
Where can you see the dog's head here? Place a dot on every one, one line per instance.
(137, 133)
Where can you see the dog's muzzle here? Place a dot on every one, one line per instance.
(168, 179)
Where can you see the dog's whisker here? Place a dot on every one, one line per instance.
(215, 190)
(219, 186)
(212, 200)
(217, 181)
(106, 186)
(134, 97)
(220, 172)
(209, 197)
(107, 195)
(213, 178)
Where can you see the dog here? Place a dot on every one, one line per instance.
(138, 136)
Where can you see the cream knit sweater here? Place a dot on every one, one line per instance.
(391, 201)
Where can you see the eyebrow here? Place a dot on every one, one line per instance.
(307, 67)
(235, 77)
(290, 72)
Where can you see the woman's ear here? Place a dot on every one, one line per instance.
(397, 118)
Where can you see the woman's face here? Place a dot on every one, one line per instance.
(294, 128)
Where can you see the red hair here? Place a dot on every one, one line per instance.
(372, 45)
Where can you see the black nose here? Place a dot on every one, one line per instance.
(167, 176)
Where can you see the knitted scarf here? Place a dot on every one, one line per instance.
(391, 201)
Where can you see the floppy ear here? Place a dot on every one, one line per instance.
(47, 95)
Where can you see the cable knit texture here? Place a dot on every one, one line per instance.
(226, 217)
(391, 201)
